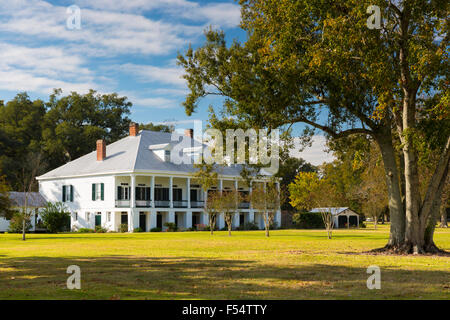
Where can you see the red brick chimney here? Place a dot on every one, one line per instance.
(189, 133)
(101, 150)
(134, 129)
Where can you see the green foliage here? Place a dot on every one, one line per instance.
(16, 223)
(156, 229)
(5, 203)
(100, 229)
(55, 217)
(61, 129)
(171, 227)
(251, 225)
(86, 230)
(123, 227)
(138, 230)
(308, 220)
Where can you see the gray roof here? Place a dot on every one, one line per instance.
(35, 199)
(334, 210)
(130, 154)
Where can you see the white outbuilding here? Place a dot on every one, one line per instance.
(342, 216)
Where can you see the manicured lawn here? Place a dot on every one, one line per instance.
(291, 264)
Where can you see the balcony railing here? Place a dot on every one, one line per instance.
(122, 203)
(162, 203)
(180, 204)
(244, 205)
(197, 204)
(143, 203)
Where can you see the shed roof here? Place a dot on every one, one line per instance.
(334, 210)
(35, 199)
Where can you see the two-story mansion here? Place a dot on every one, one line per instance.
(132, 181)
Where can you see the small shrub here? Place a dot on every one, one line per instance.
(171, 227)
(100, 229)
(273, 225)
(138, 229)
(86, 230)
(15, 224)
(191, 229)
(55, 217)
(251, 226)
(201, 227)
(362, 225)
(123, 227)
(308, 220)
(155, 229)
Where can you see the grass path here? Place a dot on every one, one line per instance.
(291, 264)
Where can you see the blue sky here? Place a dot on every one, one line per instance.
(124, 46)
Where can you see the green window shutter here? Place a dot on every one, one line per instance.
(119, 193)
(64, 194)
(93, 192)
(71, 193)
(102, 186)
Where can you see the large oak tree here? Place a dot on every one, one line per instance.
(307, 60)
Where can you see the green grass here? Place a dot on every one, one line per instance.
(291, 264)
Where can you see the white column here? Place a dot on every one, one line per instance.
(220, 221)
(136, 216)
(152, 190)
(171, 192)
(278, 218)
(188, 219)
(236, 220)
(152, 223)
(130, 220)
(251, 216)
(132, 191)
(171, 216)
(188, 193)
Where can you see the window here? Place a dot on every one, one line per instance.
(88, 216)
(177, 194)
(123, 193)
(162, 194)
(98, 191)
(67, 193)
(108, 216)
(143, 193)
(75, 216)
(167, 155)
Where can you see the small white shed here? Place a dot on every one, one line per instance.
(340, 213)
(35, 201)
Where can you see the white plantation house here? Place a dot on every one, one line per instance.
(133, 181)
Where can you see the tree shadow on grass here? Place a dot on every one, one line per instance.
(130, 277)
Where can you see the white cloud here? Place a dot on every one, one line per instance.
(42, 69)
(150, 102)
(315, 154)
(148, 74)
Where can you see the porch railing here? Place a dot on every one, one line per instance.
(122, 203)
(180, 204)
(197, 204)
(162, 203)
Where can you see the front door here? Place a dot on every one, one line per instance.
(143, 221)
(159, 220)
(98, 220)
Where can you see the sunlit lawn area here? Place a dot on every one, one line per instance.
(291, 264)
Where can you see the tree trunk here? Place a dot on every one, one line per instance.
(396, 209)
(443, 217)
(23, 228)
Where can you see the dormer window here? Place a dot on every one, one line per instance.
(166, 155)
